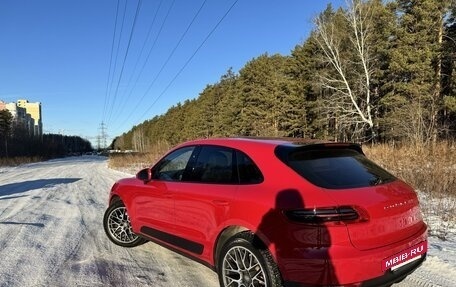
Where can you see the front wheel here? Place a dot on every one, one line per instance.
(242, 264)
(117, 226)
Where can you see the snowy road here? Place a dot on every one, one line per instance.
(51, 234)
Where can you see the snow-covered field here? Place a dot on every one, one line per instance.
(51, 234)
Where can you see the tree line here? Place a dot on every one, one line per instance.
(376, 71)
(15, 141)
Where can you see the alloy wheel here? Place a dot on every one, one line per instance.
(119, 226)
(241, 268)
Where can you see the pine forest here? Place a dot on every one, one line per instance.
(372, 71)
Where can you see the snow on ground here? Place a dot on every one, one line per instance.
(439, 269)
(51, 234)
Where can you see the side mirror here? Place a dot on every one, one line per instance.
(145, 175)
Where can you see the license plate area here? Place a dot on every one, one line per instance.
(404, 257)
(405, 263)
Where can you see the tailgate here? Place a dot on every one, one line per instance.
(393, 214)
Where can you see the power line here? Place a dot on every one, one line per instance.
(174, 50)
(189, 59)
(141, 53)
(172, 53)
(115, 61)
(138, 8)
(148, 56)
(110, 60)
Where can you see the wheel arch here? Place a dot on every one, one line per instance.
(114, 198)
(131, 211)
(227, 234)
(242, 235)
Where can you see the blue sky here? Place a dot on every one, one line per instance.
(58, 52)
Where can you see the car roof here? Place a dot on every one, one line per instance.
(265, 141)
(268, 142)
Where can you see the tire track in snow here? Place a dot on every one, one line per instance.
(433, 273)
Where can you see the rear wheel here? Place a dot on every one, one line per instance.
(243, 264)
(117, 226)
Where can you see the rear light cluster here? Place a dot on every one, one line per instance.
(346, 214)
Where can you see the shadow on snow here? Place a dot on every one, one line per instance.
(22, 223)
(24, 186)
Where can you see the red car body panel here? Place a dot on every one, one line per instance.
(333, 253)
(394, 214)
(202, 213)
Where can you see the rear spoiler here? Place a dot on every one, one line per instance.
(353, 146)
(282, 150)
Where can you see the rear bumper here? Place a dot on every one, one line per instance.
(391, 277)
(387, 279)
(341, 264)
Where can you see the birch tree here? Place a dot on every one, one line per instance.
(140, 142)
(343, 37)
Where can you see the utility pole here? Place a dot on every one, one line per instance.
(102, 136)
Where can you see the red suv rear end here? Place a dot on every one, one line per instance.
(269, 212)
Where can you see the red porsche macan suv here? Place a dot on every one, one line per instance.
(274, 212)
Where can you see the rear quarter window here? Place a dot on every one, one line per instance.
(249, 173)
(334, 168)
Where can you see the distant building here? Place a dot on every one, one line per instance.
(34, 110)
(27, 115)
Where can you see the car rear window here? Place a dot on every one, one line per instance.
(333, 167)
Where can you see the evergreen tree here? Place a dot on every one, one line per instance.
(265, 95)
(414, 97)
(449, 73)
(6, 124)
(229, 106)
(373, 68)
(306, 85)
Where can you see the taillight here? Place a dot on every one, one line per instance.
(323, 215)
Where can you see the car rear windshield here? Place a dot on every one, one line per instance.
(333, 167)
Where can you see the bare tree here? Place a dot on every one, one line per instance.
(139, 140)
(346, 52)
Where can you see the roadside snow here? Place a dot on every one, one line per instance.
(51, 234)
(439, 269)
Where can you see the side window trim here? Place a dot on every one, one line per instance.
(238, 175)
(191, 164)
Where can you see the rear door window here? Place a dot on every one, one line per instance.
(214, 164)
(335, 168)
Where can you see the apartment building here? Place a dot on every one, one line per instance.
(26, 114)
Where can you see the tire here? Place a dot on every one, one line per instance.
(244, 263)
(116, 223)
